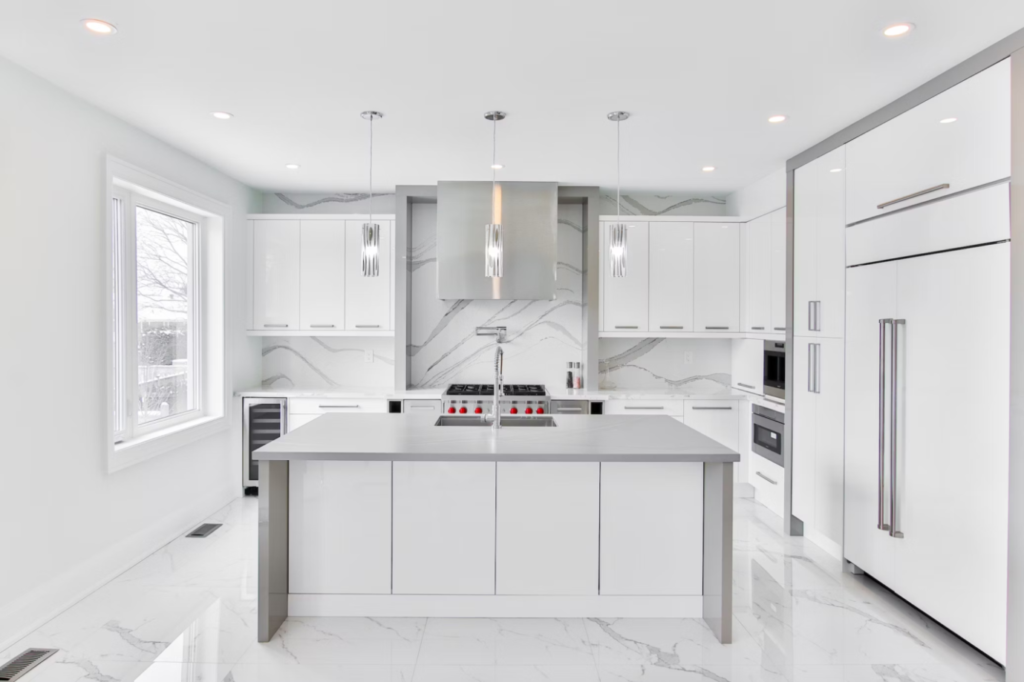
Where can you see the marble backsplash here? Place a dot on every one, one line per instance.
(328, 362)
(698, 365)
(542, 335)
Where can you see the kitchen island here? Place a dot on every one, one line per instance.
(567, 516)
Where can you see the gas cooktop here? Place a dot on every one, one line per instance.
(517, 390)
(522, 399)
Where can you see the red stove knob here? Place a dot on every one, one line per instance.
(451, 410)
(529, 410)
(540, 410)
(479, 410)
(462, 410)
(513, 411)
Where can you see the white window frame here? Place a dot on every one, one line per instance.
(129, 442)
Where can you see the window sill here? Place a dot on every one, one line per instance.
(128, 453)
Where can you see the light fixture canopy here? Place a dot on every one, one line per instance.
(371, 230)
(777, 118)
(100, 27)
(222, 115)
(494, 236)
(618, 232)
(897, 30)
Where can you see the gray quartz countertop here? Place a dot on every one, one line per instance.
(575, 438)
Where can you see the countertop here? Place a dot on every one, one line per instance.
(576, 438)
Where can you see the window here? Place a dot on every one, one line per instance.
(157, 296)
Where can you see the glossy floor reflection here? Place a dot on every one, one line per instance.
(187, 614)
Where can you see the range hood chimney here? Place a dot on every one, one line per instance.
(529, 218)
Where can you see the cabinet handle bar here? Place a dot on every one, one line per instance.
(915, 195)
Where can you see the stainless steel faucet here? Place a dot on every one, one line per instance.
(499, 361)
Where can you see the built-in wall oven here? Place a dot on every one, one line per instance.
(775, 369)
(766, 433)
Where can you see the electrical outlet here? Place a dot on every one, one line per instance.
(368, 356)
(688, 357)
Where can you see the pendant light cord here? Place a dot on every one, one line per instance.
(371, 169)
(494, 162)
(618, 168)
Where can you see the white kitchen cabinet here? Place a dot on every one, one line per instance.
(819, 272)
(716, 419)
(758, 260)
(277, 264)
(322, 288)
(778, 283)
(339, 533)
(768, 480)
(645, 406)
(547, 528)
(651, 518)
(367, 299)
(748, 365)
(625, 299)
(817, 417)
(917, 154)
(716, 281)
(671, 277)
(443, 534)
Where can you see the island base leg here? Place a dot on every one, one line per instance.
(718, 490)
(272, 604)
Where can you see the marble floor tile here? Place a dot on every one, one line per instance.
(512, 641)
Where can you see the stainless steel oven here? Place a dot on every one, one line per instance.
(766, 433)
(775, 369)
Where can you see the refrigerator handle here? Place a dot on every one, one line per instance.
(893, 384)
(882, 525)
(817, 368)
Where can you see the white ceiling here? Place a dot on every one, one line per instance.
(700, 79)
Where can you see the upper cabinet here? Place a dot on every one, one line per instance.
(716, 277)
(277, 264)
(778, 278)
(819, 272)
(757, 264)
(671, 277)
(625, 299)
(307, 279)
(955, 141)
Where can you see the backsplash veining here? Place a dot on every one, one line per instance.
(689, 365)
(542, 335)
(328, 362)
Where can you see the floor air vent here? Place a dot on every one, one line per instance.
(23, 662)
(200, 532)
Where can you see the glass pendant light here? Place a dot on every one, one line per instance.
(617, 231)
(494, 246)
(371, 230)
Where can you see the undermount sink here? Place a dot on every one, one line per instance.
(505, 421)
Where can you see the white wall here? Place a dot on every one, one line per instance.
(74, 524)
(759, 198)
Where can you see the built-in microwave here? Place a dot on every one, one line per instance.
(766, 433)
(775, 369)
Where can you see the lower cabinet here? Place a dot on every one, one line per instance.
(768, 481)
(339, 527)
(716, 419)
(547, 528)
(652, 518)
(443, 531)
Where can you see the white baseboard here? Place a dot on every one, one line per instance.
(493, 606)
(42, 604)
(826, 543)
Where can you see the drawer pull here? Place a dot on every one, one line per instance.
(717, 329)
(668, 326)
(758, 329)
(339, 407)
(620, 326)
(641, 407)
(423, 407)
(766, 478)
(779, 329)
(367, 326)
(740, 383)
(321, 326)
(568, 409)
(276, 326)
(710, 408)
(915, 195)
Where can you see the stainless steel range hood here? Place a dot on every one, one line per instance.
(529, 219)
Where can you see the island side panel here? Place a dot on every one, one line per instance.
(272, 605)
(718, 499)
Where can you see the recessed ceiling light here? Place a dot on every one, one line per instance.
(897, 30)
(708, 169)
(778, 118)
(836, 170)
(222, 115)
(292, 166)
(496, 166)
(948, 120)
(104, 28)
